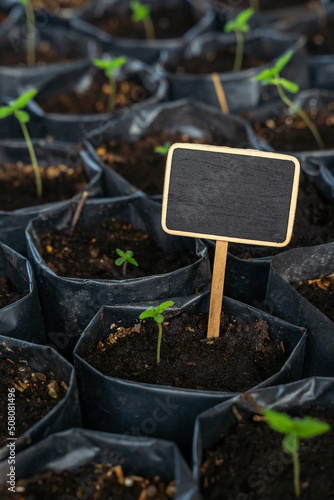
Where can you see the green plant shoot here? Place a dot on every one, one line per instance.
(294, 429)
(163, 150)
(110, 66)
(271, 76)
(15, 108)
(124, 259)
(141, 12)
(239, 26)
(31, 49)
(156, 314)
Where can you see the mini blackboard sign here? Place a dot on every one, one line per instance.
(229, 195)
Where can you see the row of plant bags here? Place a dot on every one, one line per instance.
(65, 176)
(72, 104)
(69, 303)
(75, 448)
(220, 429)
(283, 300)
(36, 366)
(21, 317)
(175, 23)
(189, 69)
(168, 411)
(320, 169)
(58, 50)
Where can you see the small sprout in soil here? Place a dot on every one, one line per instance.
(141, 12)
(239, 26)
(30, 16)
(15, 108)
(156, 314)
(294, 429)
(271, 76)
(163, 150)
(124, 259)
(110, 66)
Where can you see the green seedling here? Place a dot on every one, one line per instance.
(110, 66)
(271, 76)
(294, 429)
(163, 150)
(141, 12)
(124, 259)
(156, 314)
(31, 49)
(239, 26)
(15, 108)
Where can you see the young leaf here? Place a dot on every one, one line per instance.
(5, 111)
(119, 261)
(266, 74)
(279, 421)
(290, 443)
(309, 427)
(161, 308)
(23, 99)
(140, 11)
(22, 116)
(283, 61)
(291, 87)
(159, 318)
(149, 313)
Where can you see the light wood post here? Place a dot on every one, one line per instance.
(217, 288)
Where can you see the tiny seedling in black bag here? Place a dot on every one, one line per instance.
(239, 26)
(16, 108)
(156, 314)
(294, 429)
(141, 12)
(163, 150)
(110, 66)
(124, 259)
(31, 49)
(271, 76)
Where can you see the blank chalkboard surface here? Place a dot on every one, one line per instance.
(236, 195)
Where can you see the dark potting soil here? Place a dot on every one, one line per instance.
(90, 253)
(242, 357)
(249, 463)
(210, 62)
(168, 23)
(35, 396)
(54, 5)
(322, 41)
(93, 481)
(291, 134)
(139, 164)
(314, 225)
(18, 184)
(263, 4)
(44, 55)
(7, 293)
(320, 292)
(95, 99)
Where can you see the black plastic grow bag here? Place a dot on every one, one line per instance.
(74, 128)
(241, 89)
(22, 319)
(186, 116)
(146, 50)
(73, 448)
(320, 170)
(44, 360)
(13, 223)
(68, 304)
(115, 405)
(284, 301)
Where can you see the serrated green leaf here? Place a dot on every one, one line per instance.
(290, 443)
(120, 252)
(5, 111)
(23, 99)
(162, 307)
(119, 261)
(279, 421)
(22, 116)
(283, 61)
(132, 261)
(291, 87)
(129, 253)
(149, 313)
(309, 427)
(159, 318)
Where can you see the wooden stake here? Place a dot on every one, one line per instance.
(220, 93)
(78, 211)
(217, 288)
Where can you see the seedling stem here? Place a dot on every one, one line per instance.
(110, 66)
(141, 12)
(239, 26)
(30, 15)
(32, 156)
(156, 314)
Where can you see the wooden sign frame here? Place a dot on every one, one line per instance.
(231, 151)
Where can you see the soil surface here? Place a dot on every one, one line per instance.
(18, 184)
(35, 396)
(45, 54)
(291, 134)
(210, 62)
(92, 481)
(7, 293)
(242, 357)
(249, 463)
(322, 41)
(55, 5)
(95, 99)
(139, 164)
(320, 292)
(263, 4)
(90, 253)
(314, 225)
(167, 22)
